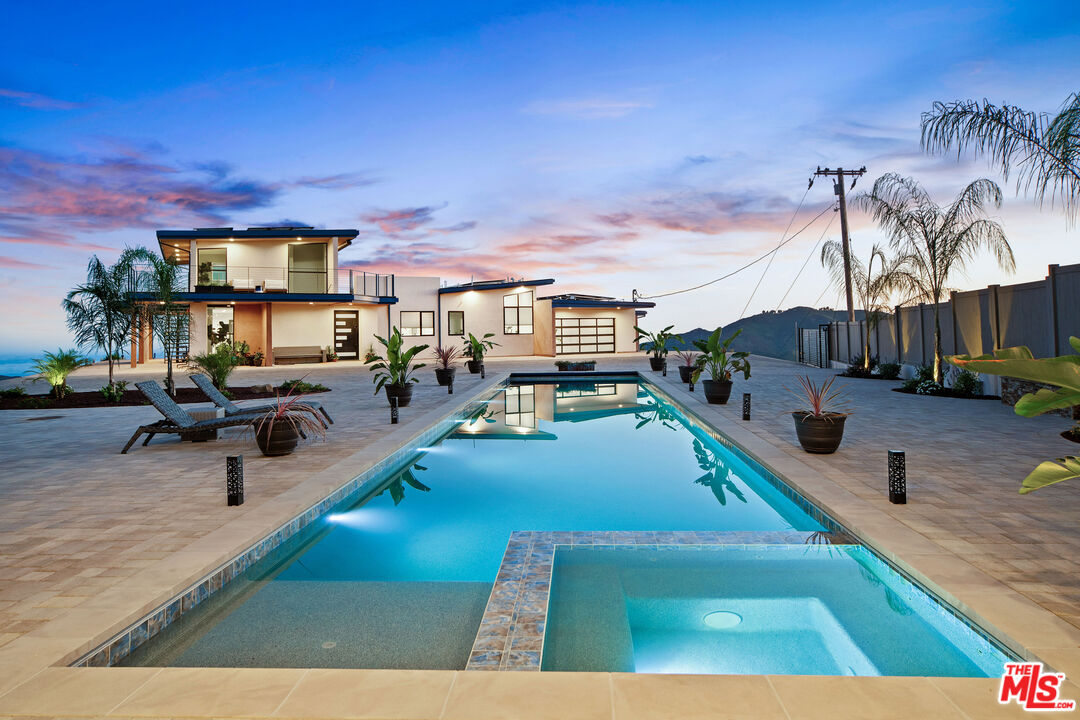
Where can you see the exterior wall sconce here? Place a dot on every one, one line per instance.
(746, 406)
(897, 477)
(234, 479)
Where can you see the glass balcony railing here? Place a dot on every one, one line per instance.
(239, 279)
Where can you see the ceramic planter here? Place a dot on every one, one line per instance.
(819, 434)
(402, 393)
(445, 376)
(474, 366)
(276, 438)
(685, 371)
(717, 392)
(657, 364)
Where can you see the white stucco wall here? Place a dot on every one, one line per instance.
(483, 314)
(302, 324)
(417, 294)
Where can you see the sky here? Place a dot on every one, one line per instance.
(612, 146)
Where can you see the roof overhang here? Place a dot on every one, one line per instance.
(175, 245)
(594, 301)
(494, 285)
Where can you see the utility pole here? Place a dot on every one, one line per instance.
(838, 189)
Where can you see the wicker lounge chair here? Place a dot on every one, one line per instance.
(231, 408)
(177, 420)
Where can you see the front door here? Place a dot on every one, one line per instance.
(347, 334)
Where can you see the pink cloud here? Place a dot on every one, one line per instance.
(36, 100)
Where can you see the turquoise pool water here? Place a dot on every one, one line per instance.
(793, 610)
(400, 578)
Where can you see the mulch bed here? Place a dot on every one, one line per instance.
(949, 393)
(94, 398)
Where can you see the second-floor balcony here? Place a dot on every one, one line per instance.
(279, 280)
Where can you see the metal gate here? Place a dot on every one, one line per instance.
(813, 345)
(574, 336)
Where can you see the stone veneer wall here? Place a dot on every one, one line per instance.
(1012, 390)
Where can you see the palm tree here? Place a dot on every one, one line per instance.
(55, 367)
(1045, 150)
(99, 310)
(934, 241)
(169, 320)
(873, 291)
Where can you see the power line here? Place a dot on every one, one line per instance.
(744, 267)
(774, 252)
(807, 262)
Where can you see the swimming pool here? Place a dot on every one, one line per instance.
(401, 578)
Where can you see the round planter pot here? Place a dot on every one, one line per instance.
(657, 364)
(403, 394)
(717, 392)
(684, 373)
(445, 376)
(277, 438)
(474, 366)
(820, 435)
(1071, 436)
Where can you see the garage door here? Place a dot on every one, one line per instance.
(574, 336)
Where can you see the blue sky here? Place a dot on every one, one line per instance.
(612, 146)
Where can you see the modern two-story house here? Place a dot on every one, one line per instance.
(287, 292)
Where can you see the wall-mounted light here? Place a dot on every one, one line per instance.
(232, 239)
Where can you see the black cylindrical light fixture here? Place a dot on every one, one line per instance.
(393, 410)
(234, 479)
(450, 386)
(746, 406)
(897, 477)
(665, 367)
(691, 383)
(481, 371)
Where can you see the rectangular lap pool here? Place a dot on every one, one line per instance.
(416, 570)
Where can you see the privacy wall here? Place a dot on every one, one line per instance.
(1041, 315)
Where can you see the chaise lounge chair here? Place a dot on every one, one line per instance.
(177, 420)
(231, 408)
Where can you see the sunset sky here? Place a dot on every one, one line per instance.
(611, 146)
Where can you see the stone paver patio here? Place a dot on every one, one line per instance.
(89, 539)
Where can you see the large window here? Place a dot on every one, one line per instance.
(219, 325)
(518, 314)
(307, 268)
(417, 322)
(455, 322)
(520, 406)
(213, 269)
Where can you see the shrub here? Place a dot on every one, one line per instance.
(889, 371)
(54, 368)
(12, 393)
(923, 373)
(114, 392)
(966, 384)
(299, 386)
(34, 402)
(929, 387)
(217, 365)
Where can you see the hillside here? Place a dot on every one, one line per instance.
(771, 333)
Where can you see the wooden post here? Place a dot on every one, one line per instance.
(135, 322)
(268, 319)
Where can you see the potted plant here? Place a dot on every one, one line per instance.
(716, 357)
(331, 354)
(658, 345)
(279, 430)
(575, 365)
(370, 355)
(445, 357)
(475, 350)
(396, 369)
(687, 361)
(820, 423)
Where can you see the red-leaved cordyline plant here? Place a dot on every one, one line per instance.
(446, 356)
(689, 359)
(288, 409)
(820, 400)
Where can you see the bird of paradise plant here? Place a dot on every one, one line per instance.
(1062, 372)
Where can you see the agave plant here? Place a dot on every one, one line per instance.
(1062, 372)
(55, 367)
(397, 368)
(820, 400)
